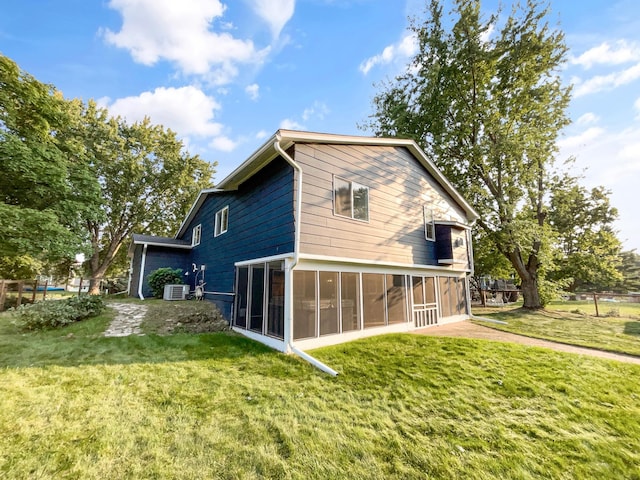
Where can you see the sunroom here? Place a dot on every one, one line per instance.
(328, 303)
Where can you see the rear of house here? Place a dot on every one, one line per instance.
(318, 239)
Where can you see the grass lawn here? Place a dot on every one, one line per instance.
(217, 405)
(567, 322)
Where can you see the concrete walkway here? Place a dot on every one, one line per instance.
(469, 329)
(127, 321)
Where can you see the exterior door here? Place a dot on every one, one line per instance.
(423, 301)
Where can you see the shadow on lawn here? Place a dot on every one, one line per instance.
(632, 328)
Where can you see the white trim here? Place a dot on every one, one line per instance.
(429, 221)
(197, 229)
(142, 265)
(326, 340)
(222, 214)
(452, 223)
(221, 293)
(272, 342)
(373, 265)
(352, 201)
(165, 245)
(195, 207)
(273, 258)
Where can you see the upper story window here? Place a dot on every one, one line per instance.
(350, 199)
(222, 221)
(429, 224)
(196, 234)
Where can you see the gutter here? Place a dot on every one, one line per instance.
(296, 256)
(142, 265)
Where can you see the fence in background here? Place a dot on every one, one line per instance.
(606, 297)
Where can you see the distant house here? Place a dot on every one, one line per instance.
(318, 239)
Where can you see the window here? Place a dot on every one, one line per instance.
(429, 225)
(329, 303)
(222, 221)
(196, 233)
(374, 311)
(304, 304)
(350, 300)
(350, 199)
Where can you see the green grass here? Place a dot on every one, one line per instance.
(566, 322)
(221, 406)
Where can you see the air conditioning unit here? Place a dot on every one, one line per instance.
(175, 292)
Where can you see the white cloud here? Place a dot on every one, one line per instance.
(187, 111)
(253, 91)
(608, 82)
(262, 134)
(612, 159)
(636, 105)
(318, 110)
(405, 48)
(587, 119)
(275, 12)
(180, 32)
(585, 138)
(223, 144)
(289, 124)
(621, 52)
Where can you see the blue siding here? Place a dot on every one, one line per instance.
(160, 257)
(260, 225)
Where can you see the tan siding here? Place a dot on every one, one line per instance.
(399, 187)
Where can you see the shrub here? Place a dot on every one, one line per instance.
(164, 276)
(87, 306)
(58, 313)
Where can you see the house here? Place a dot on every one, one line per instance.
(319, 238)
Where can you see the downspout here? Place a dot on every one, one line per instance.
(291, 265)
(142, 265)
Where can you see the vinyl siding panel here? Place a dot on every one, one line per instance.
(260, 225)
(399, 188)
(161, 257)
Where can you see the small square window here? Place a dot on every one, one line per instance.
(350, 199)
(222, 221)
(429, 224)
(196, 234)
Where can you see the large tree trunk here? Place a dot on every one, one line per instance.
(529, 288)
(99, 268)
(528, 273)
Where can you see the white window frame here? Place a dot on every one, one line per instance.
(222, 214)
(196, 235)
(429, 224)
(352, 187)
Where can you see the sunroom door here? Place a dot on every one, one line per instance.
(423, 301)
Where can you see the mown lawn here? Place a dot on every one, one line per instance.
(568, 322)
(221, 406)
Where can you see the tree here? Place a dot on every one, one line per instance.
(588, 254)
(148, 182)
(486, 103)
(630, 272)
(46, 186)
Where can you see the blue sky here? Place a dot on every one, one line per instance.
(227, 74)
